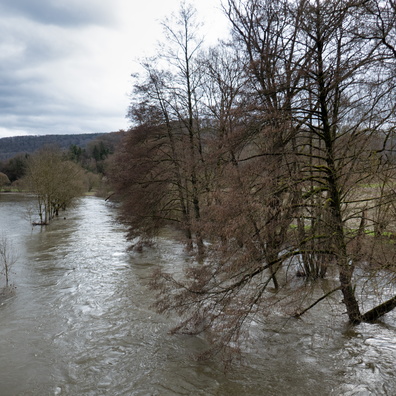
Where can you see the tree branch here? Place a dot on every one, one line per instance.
(380, 310)
(299, 314)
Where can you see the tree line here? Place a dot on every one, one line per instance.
(91, 156)
(11, 146)
(273, 154)
(57, 177)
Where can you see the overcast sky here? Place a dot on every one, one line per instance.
(65, 65)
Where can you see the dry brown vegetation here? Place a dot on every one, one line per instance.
(274, 154)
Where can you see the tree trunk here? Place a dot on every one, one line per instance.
(348, 293)
(380, 310)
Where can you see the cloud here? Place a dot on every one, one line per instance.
(50, 74)
(65, 65)
(60, 12)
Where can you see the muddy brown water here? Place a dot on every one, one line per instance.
(81, 323)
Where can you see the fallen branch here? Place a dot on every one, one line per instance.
(379, 310)
(299, 314)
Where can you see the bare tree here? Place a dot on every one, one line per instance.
(4, 180)
(380, 23)
(147, 178)
(248, 220)
(7, 257)
(55, 181)
(167, 96)
(276, 148)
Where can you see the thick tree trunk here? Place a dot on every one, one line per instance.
(348, 293)
(380, 310)
(336, 219)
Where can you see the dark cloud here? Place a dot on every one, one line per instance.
(27, 51)
(60, 12)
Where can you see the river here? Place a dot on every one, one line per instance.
(80, 323)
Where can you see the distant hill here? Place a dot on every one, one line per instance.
(11, 146)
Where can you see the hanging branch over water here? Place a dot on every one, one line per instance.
(276, 142)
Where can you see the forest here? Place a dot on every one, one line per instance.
(17, 145)
(90, 151)
(272, 154)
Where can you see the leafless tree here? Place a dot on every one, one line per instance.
(7, 257)
(276, 147)
(55, 181)
(167, 95)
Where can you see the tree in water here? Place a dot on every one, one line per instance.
(167, 142)
(296, 165)
(55, 182)
(7, 258)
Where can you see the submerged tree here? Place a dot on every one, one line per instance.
(55, 182)
(7, 257)
(349, 108)
(296, 164)
(168, 142)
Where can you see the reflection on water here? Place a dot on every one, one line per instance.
(81, 324)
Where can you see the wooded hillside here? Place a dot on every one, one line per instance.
(11, 146)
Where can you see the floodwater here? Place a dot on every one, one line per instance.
(81, 323)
